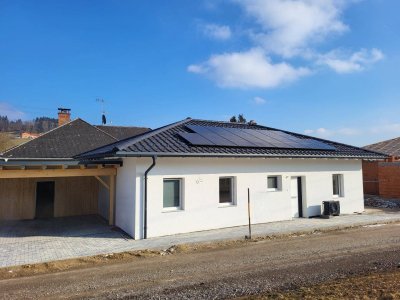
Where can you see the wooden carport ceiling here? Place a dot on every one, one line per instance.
(15, 172)
(40, 173)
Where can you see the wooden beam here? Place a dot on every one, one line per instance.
(102, 182)
(111, 219)
(57, 173)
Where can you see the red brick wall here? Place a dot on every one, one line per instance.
(389, 179)
(370, 177)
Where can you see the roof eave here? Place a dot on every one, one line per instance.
(174, 154)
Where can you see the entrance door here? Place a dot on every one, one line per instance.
(45, 199)
(296, 197)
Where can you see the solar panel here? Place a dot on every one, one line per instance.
(211, 136)
(196, 139)
(237, 139)
(267, 141)
(245, 137)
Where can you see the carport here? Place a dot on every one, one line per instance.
(36, 190)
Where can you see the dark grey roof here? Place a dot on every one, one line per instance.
(63, 142)
(389, 147)
(165, 141)
(122, 132)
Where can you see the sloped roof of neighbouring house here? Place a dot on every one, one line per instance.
(389, 147)
(169, 141)
(122, 132)
(69, 140)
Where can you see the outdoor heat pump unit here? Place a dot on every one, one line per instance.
(331, 208)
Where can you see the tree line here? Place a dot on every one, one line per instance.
(37, 125)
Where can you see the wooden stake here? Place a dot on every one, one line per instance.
(248, 211)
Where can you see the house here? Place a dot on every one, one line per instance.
(195, 175)
(41, 178)
(383, 177)
(29, 135)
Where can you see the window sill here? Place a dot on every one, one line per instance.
(172, 209)
(223, 205)
(274, 190)
(337, 197)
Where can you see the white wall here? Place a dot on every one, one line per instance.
(125, 197)
(201, 208)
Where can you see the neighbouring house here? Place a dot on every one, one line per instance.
(42, 179)
(29, 135)
(195, 175)
(383, 177)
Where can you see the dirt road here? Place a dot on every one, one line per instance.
(224, 271)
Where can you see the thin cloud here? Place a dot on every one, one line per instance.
(289, 27)
(10, 111)
(217, 32)
(284, 30)
(259, 100)
(356, 62)
(326, 133)
(250, 69)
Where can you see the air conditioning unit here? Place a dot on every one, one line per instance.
(331, 208)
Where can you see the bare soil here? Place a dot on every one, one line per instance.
(384, 286)
(297, 266)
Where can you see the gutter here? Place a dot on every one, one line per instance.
(174, 154)
(145, 196)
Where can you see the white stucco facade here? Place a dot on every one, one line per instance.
(200, 207)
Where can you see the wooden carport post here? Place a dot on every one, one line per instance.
(111, 190)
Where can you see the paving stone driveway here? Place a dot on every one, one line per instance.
(34, 241)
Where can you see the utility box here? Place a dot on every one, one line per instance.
(331, 208)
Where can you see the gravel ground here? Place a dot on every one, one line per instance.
(376, 201)
(225, 270)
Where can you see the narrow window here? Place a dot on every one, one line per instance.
(273, 183)
(172, 193)
(337, 184)
(226, 190)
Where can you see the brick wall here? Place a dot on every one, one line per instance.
(389, 179)
(370, 177)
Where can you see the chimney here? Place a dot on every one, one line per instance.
(64, 116)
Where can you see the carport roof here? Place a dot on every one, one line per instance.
(71, 139)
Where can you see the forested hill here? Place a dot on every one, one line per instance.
(38, 125)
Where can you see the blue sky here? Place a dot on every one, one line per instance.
(325, 68)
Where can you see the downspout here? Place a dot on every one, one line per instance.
(145, 197)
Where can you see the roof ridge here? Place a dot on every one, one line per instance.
(226, 122)
(45, 133)
(121, 126)
(145, 135)
(95, 127)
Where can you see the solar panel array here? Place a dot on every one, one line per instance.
(254, 138)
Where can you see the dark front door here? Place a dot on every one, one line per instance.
(45, 199)
(300, 197)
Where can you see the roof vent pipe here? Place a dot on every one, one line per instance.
(145, 196)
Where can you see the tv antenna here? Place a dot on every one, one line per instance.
(103, 113)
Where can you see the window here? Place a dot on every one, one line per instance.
(337, 183)
(172, 193)
(274, 183)
(226, 190)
